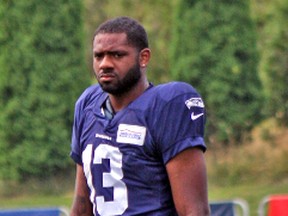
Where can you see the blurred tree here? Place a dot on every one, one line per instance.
(214, 48)
(271, 18)
(42, 74)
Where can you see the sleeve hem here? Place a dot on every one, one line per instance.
(76, 158)
(182, 145)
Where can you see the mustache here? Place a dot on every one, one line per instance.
(106, 72)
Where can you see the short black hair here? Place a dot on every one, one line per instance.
(136, 34)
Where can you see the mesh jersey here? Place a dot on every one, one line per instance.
(124, 158)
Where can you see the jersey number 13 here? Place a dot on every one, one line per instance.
(109, 179)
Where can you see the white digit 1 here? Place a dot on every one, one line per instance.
(111, 179)
(87, 158)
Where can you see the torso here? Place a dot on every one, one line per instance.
(123, 158)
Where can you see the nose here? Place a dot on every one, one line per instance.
(105, 62)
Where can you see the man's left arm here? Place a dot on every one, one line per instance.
(188, 179)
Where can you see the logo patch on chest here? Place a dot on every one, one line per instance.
(131, 134)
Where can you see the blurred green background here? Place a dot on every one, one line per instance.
(235, 53)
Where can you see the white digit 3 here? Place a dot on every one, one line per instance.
(111, 179)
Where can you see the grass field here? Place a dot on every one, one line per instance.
(251, 193)
(27, 201)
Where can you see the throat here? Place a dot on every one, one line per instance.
(120, 101)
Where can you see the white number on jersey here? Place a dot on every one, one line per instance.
(111, 179)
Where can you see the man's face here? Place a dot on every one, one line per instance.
(115, 63)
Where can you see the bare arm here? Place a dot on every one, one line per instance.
(187, 175)
(81, 204)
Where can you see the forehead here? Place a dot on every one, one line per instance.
(108, 41)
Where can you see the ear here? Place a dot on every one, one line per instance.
(144, 57)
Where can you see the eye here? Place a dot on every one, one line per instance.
(98, 55)
(118, 55)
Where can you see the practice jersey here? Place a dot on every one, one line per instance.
(124, 157)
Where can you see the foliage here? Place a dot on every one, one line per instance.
(42, 74)
(272, 38)
(214, 48)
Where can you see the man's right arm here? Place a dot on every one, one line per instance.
(81, 204)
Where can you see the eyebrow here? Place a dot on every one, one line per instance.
(120, 52)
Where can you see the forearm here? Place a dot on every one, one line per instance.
(200, 210)
(81, 207)
(194, 209)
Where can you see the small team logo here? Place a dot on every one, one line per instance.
(194, 102)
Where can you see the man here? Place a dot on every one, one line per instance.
(138, 147)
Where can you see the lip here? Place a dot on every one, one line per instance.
(105, 77)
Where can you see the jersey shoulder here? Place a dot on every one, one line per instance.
(174, 89)
(161, 95)
(88, 97)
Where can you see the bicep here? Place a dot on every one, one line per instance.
(81, 204)
(187, 175)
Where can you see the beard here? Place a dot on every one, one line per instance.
(124, 85)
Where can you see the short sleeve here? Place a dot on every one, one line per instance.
(79, 113)
(180, 122)
(75, 153)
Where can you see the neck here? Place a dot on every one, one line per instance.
(119, 102)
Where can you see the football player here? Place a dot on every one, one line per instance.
(138, 147)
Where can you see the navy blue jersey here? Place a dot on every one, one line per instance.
(124, 158)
